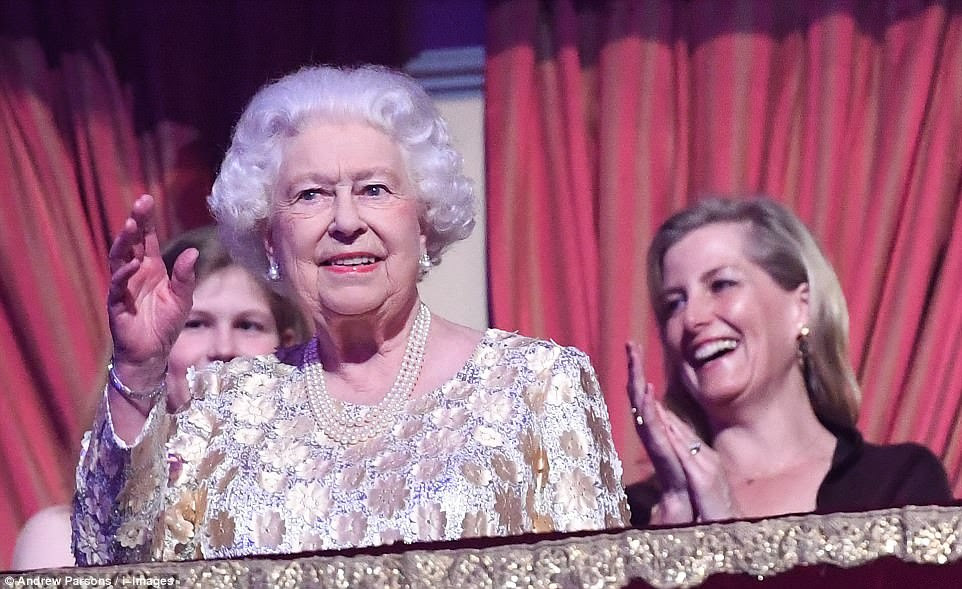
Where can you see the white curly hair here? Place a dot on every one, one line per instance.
(389, 101)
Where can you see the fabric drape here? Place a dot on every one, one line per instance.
(604, 118)
(70, 167)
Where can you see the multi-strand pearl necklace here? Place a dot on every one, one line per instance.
(352, 424)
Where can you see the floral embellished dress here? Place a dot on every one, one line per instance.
(517, 442)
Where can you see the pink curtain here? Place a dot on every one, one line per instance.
(604, 118)
(70, 166)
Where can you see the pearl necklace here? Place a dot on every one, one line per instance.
(351, 424)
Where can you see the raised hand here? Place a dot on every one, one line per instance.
(145, 309)
(675, 505)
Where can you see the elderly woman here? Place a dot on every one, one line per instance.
(390, 424)
(755, 334)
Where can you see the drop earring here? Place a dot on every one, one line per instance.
(273, 271)
(424, 264)
(802, 339)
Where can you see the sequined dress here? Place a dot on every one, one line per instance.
(517, 442)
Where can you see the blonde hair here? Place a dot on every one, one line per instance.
(780, 244)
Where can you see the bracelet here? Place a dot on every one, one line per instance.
(130, 394)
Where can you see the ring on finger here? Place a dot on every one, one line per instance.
(639, 420)
(694, 447)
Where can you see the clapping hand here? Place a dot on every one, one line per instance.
(693, 481)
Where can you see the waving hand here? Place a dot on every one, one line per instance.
(145, 308)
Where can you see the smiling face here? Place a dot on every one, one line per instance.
(231, 316)
(729, 328)
(345, 224)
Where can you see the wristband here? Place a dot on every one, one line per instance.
(130, 394)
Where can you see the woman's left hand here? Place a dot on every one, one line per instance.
(708, 486)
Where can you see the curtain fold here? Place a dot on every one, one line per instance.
(46, 255)
(848, 112)
(70, 167)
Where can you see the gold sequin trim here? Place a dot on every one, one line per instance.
(663, 558)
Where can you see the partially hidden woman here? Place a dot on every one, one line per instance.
(234, 313)
(763, 399)
(391, 424)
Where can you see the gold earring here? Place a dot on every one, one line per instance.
(803, 333)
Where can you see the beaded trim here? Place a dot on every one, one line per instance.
(736, 554)
(350, 424)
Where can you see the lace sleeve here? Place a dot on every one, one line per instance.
(584, 490)
(120, 490)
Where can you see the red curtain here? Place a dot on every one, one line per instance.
(70, 167)
(603, 118)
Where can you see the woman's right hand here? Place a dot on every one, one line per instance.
(145, 309)
(675, 505)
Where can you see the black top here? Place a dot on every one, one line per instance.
(862, 477)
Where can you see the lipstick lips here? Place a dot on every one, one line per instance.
(352, 262)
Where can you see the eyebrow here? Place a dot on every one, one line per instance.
(369, 173)
(705, 276)
(243, 312)
(714, 272)
(253, 311)
(357, 176)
